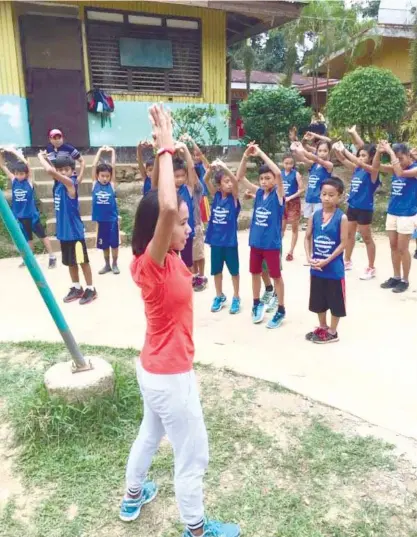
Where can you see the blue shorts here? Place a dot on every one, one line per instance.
(224, 254)
(108, 235)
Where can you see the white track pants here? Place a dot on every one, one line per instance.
(172, 407)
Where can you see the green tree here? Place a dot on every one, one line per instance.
(369, 97)
(268, 115)
(200, 122)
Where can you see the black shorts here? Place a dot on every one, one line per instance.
(74, 253)
(29, 228)
(326, 294)
(362, 217)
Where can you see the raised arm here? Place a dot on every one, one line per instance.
(241, 171)
(395, 163)
(231, 175)
(300, 189)
(207, 179)
(316, 136)
(356, 139)
(301, 154)
(82, 170)
(376, 163)
(3, 166)
(343, 160)
(167, 193)
(96, 161)
(191, 173)
(198, 151)
(356, 162)
(112, 152)
(139, 155)
(67, 181)
(274, 169)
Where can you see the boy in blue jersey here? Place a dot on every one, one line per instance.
(145, 166)
(69, 227)
(24, 205)
(325, 241)
(265, 237)
(105, 211)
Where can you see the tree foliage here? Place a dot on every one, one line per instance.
(268, 115)
(369, 97)
(200, 122)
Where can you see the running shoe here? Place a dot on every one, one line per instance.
(105, 270)
(74, 294)
(325, 337)
(368, 274)
(401, 287)
(115, 269)
(213, 528)
(391, 283)
(235, 306)
(316, 332)
(131, 507)
(348, 265)
(218, 303)
(89, 296)
(276, 320)
(266, 297)
(272, 304)
(258, 313)
(52, 262)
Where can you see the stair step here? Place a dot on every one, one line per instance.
(34, 161)
(44, 188)
(89, 225)
(48, 209)
(90, 240)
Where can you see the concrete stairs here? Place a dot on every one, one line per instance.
(43, 186)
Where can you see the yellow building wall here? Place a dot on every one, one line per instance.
(213, 48)
(11, 71)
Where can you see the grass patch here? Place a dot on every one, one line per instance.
(76, 456)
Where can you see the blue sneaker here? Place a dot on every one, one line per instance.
(276, 320)
(258, 313)
(130, 508)
(218, 303)
(235, 307)
(213, 528)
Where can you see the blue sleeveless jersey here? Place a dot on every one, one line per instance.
(265, 230)
(23, 200)
(318, 174)
(201, 172)
(325, 241)
(222, 226)
(290, 182)
(184, 192)
(147, 185)
(362, 190)
(403, 199)
(104, 203)
(69, 226)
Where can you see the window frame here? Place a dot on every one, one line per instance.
(126, 22)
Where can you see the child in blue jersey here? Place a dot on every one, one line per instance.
(293, 188)
(69, 227)
(145, 166)
(222, 232)
(105, 211)
(402, 210)
(321, 168)
(324, 243)
(365, 181)
(265, 237)
(24, 205)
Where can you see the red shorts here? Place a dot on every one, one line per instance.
(272, 259)
(292, 210)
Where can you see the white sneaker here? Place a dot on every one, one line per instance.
(348, 265)
(368, 274)
(272, 304)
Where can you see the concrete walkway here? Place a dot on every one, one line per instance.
(371, 372)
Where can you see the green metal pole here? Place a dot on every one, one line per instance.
(41, 283)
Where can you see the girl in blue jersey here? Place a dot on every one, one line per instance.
(105, 211)
(222, 232)
(145, 167)
(324, 243)
(70, 228)
(24, 205)
(265, 237)
(365, 181)
(321, 168)
(402, 210)
(293, 188)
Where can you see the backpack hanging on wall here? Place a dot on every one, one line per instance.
(98, 102)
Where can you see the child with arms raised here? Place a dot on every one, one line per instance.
(145, 167)
(324, 242)
(265, 237)
(222, 232)
(105, 211)
(293, 188)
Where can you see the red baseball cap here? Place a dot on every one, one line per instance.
(54, 132)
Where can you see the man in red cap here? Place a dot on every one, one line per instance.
(56, 148)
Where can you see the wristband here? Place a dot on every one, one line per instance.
(164, 150)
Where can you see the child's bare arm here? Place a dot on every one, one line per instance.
(69, 185)
(308, 240)
(207, 179)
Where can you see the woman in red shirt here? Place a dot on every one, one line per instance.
(165, 369)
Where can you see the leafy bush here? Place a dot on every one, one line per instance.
(369, 97)
(268, 115)
(200, 122)
(3, 180)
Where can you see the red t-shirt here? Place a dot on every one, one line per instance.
(168, 296)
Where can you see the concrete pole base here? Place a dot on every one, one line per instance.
(60, 381)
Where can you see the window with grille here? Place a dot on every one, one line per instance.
(105, 29)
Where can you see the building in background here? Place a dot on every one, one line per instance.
(52, 53)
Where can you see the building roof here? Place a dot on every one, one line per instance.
(263, 77)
